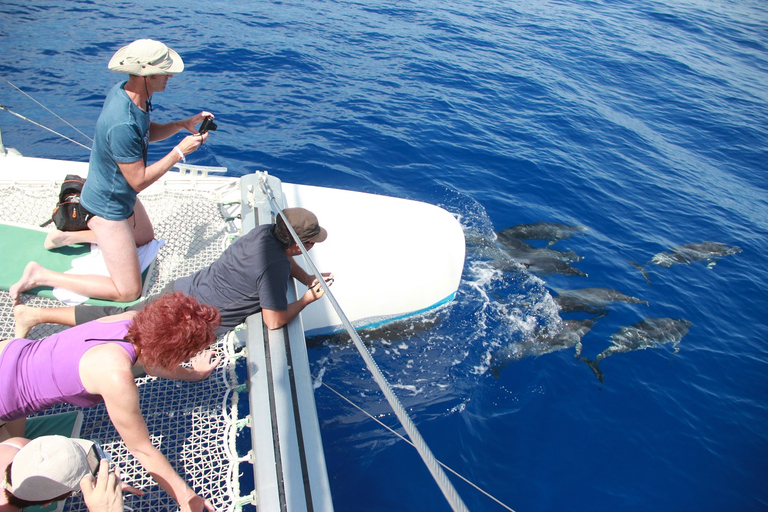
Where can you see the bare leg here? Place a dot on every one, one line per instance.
(115, 239)
(141, 226)
(28, 317)
(16, 427)
(119, 250)
(56, 238)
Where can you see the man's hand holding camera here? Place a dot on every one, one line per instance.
(105, 493)
(191, 142)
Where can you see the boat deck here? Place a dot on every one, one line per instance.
(196, 425)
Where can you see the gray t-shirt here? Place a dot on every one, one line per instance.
(250, 274)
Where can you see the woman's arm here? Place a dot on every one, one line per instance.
(203, 365)
(13, 428)
(113, 380)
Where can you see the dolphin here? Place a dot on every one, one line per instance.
(547, 266)
(689, 253)
(549, 231)
(547, 340)
(540, 260)
(648, 333)
(519, 249)
(543, 266)
(591, 300)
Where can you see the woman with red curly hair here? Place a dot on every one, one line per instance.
(94, 362)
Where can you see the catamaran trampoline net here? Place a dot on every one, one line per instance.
(195, 425)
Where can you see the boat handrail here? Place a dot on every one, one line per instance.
(198, 170)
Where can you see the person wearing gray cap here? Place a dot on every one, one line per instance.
(118, 171)
(50, 468)
(251, 275)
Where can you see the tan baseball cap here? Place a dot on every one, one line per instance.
(50, 466)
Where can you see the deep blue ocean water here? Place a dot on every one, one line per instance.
(646, 122)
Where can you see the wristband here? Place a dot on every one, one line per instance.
(183, 159)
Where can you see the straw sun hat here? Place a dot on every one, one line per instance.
(146, 57)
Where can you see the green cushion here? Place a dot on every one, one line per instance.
(21, 244)
(63, 424)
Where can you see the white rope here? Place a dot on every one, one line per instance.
(43, 127)
(393, 431)
(229, 415)
(418, 442)
(49, 110)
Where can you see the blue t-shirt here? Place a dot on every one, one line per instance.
(250, 274)
(121, 136)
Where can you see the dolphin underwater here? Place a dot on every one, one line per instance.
(551, 232)
(540, 260)
(689, 253)
(544, 341)
(518, 248)
(648, 333)
(591, 300)
(545, 266)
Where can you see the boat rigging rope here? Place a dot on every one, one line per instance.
(393, 431)
(49, 110)
(3, 107)
(418, 442)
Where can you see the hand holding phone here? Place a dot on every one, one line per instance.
(94, 456)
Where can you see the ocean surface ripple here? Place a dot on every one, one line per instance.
(644, 122)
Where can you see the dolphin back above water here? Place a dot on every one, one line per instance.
(648, 333)
(689, 253)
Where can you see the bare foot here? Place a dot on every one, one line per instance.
(25, 320)
(55, 239)
(26, 282)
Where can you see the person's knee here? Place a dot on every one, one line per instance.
(144, 236)
(129, 293)
(127, 297)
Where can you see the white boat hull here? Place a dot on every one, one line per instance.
(391, 257)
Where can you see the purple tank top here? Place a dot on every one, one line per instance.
(36, 374)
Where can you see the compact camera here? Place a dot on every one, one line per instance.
(206, 125)
(94, 456)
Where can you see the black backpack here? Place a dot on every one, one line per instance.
(68, 214)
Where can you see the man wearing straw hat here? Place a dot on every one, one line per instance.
(118, 171)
